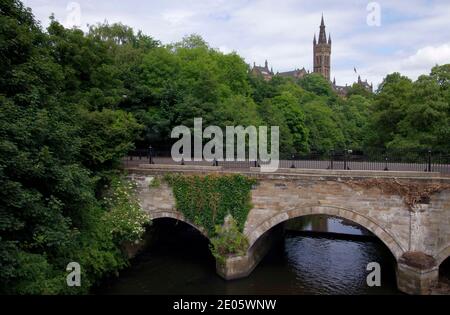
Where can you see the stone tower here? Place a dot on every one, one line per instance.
(322, 52)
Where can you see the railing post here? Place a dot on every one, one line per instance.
(293, 161)
(429, 161)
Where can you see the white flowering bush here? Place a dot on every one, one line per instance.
(124, 218)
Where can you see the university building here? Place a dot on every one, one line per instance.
(321, 62)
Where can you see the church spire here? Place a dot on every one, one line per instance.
(323, 34)
(329, 38)
(322, 52)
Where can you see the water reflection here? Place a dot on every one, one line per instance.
(326, 224)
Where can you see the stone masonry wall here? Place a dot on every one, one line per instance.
(280, 197)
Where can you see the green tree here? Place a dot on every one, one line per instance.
(316, 84)
(54, 152)
(426, 121)
(354, 115)
(389, 108)
(324, 131)
(294, 119)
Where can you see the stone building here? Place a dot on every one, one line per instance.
(365, 84)
(321, 65)
(263, 71)
(343, 90)
(296, 74)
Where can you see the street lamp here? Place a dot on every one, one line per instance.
(150, 154)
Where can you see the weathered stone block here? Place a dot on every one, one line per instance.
(417, 273)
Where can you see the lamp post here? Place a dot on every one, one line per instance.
(332, 159)
(345, 159)
(293, 161)
(429, 160)
(150, 154)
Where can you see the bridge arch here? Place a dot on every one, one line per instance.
(387, 238)
(443, 255)
(154, 215)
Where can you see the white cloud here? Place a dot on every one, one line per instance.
(428, 57)
(177, 17)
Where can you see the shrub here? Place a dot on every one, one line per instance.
(229, 240)
(125, 218)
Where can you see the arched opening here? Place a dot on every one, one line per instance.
(176, 256)
(326, 254)
(388, 239)
(443, 286)
(176, 235)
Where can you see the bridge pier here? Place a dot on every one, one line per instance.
(237, 267)
(417, 273)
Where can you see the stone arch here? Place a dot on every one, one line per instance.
(443, 255)
(387, 238)
(154, 215)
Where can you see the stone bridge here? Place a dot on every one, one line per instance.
(408, 211)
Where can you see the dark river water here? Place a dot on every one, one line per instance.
(180, 263)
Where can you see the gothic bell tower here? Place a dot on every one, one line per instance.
(322, 53)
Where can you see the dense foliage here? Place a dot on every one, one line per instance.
(207, 200)
(415, 115)
(72, 104)
(61, 140)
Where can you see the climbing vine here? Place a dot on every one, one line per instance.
(412, 193)
(207, 200)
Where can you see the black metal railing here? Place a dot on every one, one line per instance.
(369, 160)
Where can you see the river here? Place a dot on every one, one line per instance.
(180, 263)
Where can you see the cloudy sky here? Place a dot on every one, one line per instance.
(377, 38)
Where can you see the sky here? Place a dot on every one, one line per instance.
(376, 38)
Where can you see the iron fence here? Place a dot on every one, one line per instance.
(367, 160)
